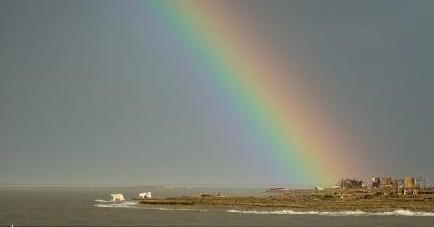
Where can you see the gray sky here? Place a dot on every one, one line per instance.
(86, 99)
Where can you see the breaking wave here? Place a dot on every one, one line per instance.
(128, 204)
(339, 213)
(180, 209)
(133, 205)
(103, 201)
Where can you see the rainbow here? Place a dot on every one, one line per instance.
(250, 76)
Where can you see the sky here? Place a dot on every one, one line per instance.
(106, 93)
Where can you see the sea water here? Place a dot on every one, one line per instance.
(92, 206)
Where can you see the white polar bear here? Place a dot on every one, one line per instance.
(318, 188)
(117, 197)
(145, 195)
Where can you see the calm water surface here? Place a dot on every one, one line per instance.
(76, 206)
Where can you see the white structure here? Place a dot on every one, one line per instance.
(145, 195)
(318, 188)
(117, 197)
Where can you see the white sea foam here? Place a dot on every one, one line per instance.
(339, 213)
(128, 204)
(133, 205)
(179, 209)
(103, 201)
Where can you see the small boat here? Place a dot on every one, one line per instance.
(278, 190)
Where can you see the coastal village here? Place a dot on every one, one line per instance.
(385, 185)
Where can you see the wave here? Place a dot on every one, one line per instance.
(133, 205)
(103, 201)
(176, 209)
(400, 212)
(340, 213)
(128, 204)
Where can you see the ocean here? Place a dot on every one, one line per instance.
(91, 207)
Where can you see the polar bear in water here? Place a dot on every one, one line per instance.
(117, 197)
(145, 195)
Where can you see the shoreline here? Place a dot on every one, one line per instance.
(305, 201)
